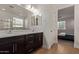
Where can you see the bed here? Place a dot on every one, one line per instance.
(65, 36)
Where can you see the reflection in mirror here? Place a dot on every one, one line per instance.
(36, 20)
(4, 24)
(13, 17)
(17, 23)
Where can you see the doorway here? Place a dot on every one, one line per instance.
(66, 26)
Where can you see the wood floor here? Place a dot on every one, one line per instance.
(58, 49)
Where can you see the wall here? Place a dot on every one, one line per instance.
(69, 26)
(76, 24)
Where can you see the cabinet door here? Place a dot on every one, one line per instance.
(38, 40)
(6, 48)
(19, 44)
(29, 43)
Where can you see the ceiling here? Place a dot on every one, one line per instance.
(14, 9)
(19, 10)
(66, 12)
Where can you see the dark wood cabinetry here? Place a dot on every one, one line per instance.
(6, 48)
(33, 42)
(21, 44)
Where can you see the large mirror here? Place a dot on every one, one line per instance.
(36, 20)
(13, 16)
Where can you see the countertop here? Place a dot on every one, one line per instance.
(3, 35)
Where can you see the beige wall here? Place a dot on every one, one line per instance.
(50, 25)
(76, 25)
(69, 26)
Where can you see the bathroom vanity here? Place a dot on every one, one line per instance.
(21, 44)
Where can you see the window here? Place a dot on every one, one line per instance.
(4, 23)
(17, 23)
(61, 25)
(13, 23)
